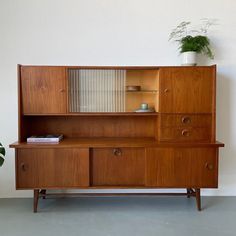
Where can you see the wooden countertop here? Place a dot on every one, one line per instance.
(112, 142)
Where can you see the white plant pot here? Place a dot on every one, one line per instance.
(189, 58)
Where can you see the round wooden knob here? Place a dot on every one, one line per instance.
(186, 120)
(185, 133)
(23, 166)
(117, 152)
(166, 90)
(209, 166)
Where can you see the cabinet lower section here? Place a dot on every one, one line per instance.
(41, 169)
(166, 167)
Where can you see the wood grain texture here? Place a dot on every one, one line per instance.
(185, 134)
(182, 167)
(186, 90)
(185, 120)
(213, 123)
(112, 142)
(44, 89)
(46, 168)
(125, 169)
(74, 127)
(154, 151)
(185, 127)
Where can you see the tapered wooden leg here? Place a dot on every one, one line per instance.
(198, 198)
(36, 198)
(43, 191)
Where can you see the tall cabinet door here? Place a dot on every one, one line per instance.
(187, 89)
(44, 89)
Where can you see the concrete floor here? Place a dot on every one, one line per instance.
(146, 216)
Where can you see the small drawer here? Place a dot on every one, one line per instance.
(185, 134)
(170, 120)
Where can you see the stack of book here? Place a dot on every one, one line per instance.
(50, 138)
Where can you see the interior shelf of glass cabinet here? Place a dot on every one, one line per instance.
(143, 91)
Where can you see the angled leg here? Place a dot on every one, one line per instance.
(36, 198)
(43, 191)
(198, 198)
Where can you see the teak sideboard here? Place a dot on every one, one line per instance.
(108, 144)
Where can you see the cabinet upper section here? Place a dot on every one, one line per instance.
(44, 89)
(65, 90)
(187, 90)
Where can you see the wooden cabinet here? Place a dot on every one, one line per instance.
(52, 168)
(187, 90)
(118, 166)
(43, 89)
(108, 141)
(182, 167)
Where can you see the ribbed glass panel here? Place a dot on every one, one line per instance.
(97, 90)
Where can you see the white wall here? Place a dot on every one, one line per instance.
(109, 32)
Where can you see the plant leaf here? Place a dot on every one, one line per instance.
(1, 161)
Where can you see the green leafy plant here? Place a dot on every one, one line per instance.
(193, 39)
(2, 154)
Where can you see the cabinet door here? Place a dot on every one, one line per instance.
(43, 89)
(187, 90)
(182, 167)
(52, 168)
(118, 166)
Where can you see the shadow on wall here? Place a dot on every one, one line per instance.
(225, 124)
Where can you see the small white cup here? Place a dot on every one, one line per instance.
(144, 106)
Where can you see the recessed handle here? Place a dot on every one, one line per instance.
(186, 120)
(209, 166)
(185, 133)
(117, 152)
(43, 88)
(62, 90)
(23, 166)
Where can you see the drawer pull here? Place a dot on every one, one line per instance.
(186, 120)
(62, 90)
(209, 166)
(166, 90)
(185, 133)
(23, 166)
(117, 152)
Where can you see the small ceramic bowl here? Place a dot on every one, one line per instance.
(133, 88)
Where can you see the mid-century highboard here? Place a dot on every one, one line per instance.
(107, 143)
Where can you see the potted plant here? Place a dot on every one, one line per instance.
(192, 41)
(2, 154)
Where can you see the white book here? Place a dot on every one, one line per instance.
(50, 138)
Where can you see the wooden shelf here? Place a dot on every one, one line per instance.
(99, 114)
(143, 91)
(110, 142)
